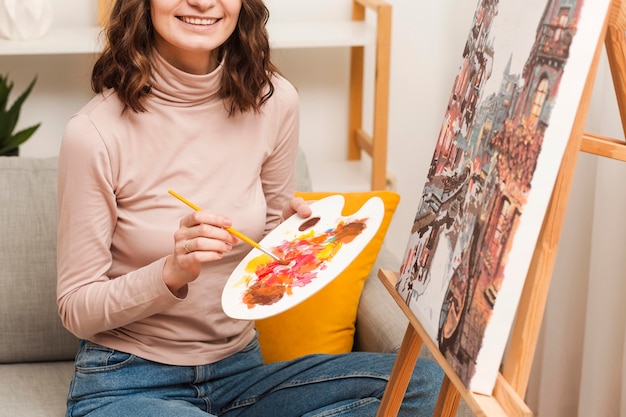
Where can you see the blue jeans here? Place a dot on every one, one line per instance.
(107, 382)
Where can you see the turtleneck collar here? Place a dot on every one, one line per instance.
(180, 88)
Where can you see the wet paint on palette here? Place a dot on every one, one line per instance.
(267, 281)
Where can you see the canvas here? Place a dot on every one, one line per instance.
(508, 120)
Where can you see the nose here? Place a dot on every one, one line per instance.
(202, 4)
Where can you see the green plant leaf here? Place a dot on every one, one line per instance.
(20, 100)
(10, 117)
(17, 139)
(5, 90)
(13, 114)
(8, 121)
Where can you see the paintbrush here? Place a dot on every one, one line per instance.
(232, 231)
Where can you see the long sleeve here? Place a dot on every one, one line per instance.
(89, 301)
(278, 173)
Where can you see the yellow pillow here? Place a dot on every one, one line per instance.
(324, 323)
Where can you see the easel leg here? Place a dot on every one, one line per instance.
(401, 374)
(449, 399)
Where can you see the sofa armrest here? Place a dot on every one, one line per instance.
(380, 323)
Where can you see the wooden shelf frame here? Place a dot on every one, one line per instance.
(359, 141)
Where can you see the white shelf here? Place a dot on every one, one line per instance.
(321, 34)
(85, 40)
(58, 41)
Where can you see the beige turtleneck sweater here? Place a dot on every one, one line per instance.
(117, 220)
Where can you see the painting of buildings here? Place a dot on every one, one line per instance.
(496, 159)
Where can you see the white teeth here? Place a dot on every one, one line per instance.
(198, 20)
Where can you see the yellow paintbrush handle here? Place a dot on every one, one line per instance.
(243, 237)
(184, 200)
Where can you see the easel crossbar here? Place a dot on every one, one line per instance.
(604, 146)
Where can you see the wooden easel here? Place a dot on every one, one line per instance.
(512, 382)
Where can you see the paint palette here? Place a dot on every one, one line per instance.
(318, 249)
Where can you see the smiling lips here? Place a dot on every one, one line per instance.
(198, 20)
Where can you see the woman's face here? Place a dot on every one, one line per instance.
(188, 31)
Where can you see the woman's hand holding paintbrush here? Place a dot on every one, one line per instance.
(201, 237)
(296, 205)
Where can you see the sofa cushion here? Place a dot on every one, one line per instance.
(380, 323)
(303, 178)
(35, 389)
(30, 326)
(325, 322)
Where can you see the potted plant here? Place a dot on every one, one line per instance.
(10, 141)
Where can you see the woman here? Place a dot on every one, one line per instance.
(188, 99)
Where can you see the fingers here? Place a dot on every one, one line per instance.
(297, 205)
(204, 232)
(200, 238)
(302, 207)
(205, 218)
(205, 244)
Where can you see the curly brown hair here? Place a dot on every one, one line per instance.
(126, 61)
